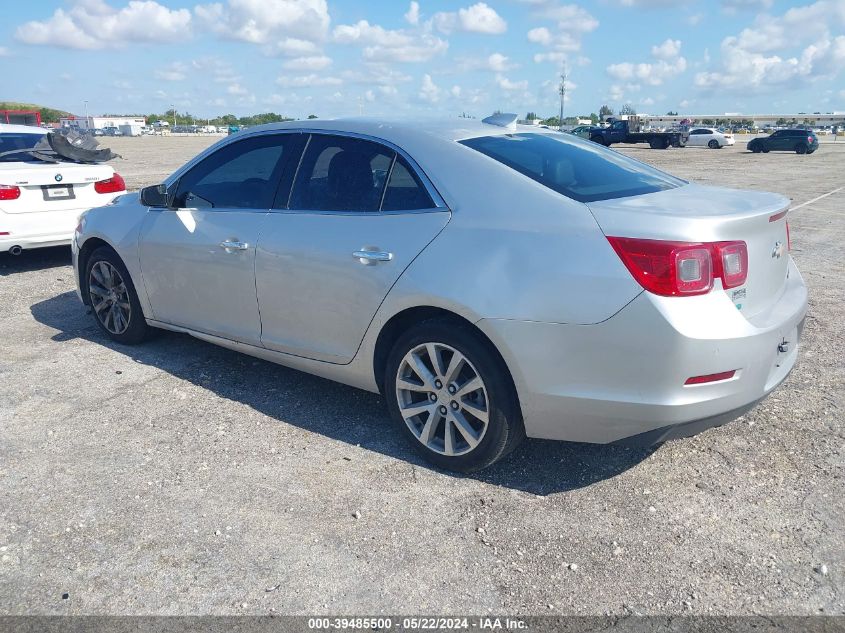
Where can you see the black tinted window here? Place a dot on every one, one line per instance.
(12, 140)
(576, 168)
(241, 175)
(404, 190)
(340, 173)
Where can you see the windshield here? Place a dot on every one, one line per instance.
(18, 140)
(578, 169)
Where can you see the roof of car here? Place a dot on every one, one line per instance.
(446, 129)
(9, 128)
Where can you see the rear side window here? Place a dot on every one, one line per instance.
(576, 168)
(11, 141)
(241, 175)
(340, 173)
(404, 190)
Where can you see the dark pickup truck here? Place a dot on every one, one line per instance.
(628, 131)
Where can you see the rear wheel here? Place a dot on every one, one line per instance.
(714, 144)
(113, 298)
(801, 148)
(655, 143)
(451, 396)
(765, 150)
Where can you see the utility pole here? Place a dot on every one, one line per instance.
(174, 114)
(87, 122)
(562, 91)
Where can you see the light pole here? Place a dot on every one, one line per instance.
(87, 122)
(173, 107)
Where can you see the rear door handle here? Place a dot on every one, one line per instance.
(233, 245)
(372, 257)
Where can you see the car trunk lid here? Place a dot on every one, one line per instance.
(695, 213)
(52, 187)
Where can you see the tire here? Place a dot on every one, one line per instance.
(475, 363)
(801, 148)
(765, 150)
(655, 143)
(108, 284)
(598, 139)
(713, 144)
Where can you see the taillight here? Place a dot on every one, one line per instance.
(9, 192)
(810, 140)
(114, 184)
(682, 268)
(731, 263)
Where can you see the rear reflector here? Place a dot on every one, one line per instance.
(675, 269)
(698, 380)
(4, 233)
(778, 216)
(9, 192)
(115, 184)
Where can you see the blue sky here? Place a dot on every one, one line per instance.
(344, 57)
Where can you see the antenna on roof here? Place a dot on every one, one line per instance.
(502, 119)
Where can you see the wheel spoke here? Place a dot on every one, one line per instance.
(455, 365)
(465, 429)
(476, 411)
(434, 356)
(422, 371)
(473, 384)
(448, 437)
(430, 427)
(404, 383)
(98, 307)
(415, 409)
(97, 289)
(118, 319)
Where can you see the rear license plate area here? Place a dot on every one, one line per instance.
(57, 192)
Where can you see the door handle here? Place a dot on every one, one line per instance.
(233, 245)
(372, 257)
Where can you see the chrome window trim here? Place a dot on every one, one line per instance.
(439, 202)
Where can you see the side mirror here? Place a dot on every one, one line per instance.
(154, 196)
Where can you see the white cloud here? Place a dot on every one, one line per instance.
(500, 63)
(506, 84)
(176, 72)
(732, 6)
(236, 89)
(669, 64)
(268, 22)
(786, 51)
(308, 81)
(478, 18)
(413, 14)
(429, 91)
(694, 19)
(317, 62)
(667, 50)
(564, 38)
(647, 101)
(4, 52)
(93, 24)
(386, 44)
(455, 91)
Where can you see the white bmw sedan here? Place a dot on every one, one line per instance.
(491, 281)
(709, 137)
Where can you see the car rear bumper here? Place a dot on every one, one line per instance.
(34, 241)
(38, 229)
(625, 377)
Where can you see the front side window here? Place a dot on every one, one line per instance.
(240, 175)
(576, 168)
(340, 173)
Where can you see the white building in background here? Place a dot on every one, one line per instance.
(101, 122)
(760, 120)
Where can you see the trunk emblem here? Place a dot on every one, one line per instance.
(777, 251)
(58, 177)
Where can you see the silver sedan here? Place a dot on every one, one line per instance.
(491, 281)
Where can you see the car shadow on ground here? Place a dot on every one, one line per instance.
(336, 411)
(36, 259)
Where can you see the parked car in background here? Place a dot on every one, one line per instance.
(582, 130)
(798, 141)
(41, 201)
(619, 303)
(709, 137)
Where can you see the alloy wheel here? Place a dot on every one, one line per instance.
(442, 399)
(109, 297)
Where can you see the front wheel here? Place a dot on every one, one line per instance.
(113, 299)
(451, 396)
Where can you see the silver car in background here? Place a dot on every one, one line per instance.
(491, 281)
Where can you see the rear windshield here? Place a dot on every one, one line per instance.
(578, 169)
(13, 140)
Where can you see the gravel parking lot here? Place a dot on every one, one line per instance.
(181, 478)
